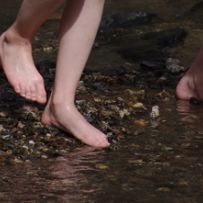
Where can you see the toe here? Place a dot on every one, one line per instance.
(33, 93)
(17, 88)
(42, 98)
(104, 143)
(22, 91)
(28, 92)
(41, 93)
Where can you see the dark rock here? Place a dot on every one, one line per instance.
(167, 38)
(142, 50)
(44, 67)
(173, 66)
(150, 46)
(7, 94)
(195, 101)
(153, 64)
(47, 70)
(126, 20)
(195, 12)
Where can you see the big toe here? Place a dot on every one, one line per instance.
(42, 98)
(41, 93)
(102, 143)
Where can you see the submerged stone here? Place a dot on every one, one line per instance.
(126, 20)
(195, 13)
(148, 49)
(167, 38)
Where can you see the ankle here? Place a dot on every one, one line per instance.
(57, 104)
(13, 36)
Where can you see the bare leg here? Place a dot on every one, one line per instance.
(79, 27)
(16, 49)
(191, 85)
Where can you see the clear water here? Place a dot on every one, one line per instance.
(159, 165)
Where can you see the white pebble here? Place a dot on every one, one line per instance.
(155, 112)
(31, 142)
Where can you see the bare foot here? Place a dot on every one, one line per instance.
(17, 63)
(191, 85)
(69, 119)
(186, 88)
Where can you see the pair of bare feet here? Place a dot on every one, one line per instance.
(17, 63)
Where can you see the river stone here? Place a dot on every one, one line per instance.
(151, 65)
(173, 66)
(195, 12)
(126, 20)
(148, 50)
(142, 51)
(167, 38)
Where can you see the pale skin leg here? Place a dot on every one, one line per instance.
(78, 30)
(191, 85)
(16, 49)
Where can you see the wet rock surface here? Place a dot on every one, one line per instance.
(126, 20)
(152, 45)
(194, 13)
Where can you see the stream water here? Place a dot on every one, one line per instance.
(160, 163)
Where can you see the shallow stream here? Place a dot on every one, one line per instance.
(159, 160)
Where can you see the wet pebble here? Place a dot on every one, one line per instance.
(163, 189)
(48, 50)
(31, 142)
(101, 166)
(123, 113)
(195, 101)
(141, 122)
(6, 137)
(44, 156)
(155, 113)
(173, 65)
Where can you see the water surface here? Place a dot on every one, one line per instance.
(160, 162)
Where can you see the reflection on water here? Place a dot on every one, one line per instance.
(62, 180)
(191, 113)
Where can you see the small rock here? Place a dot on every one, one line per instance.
(140, 122)
(3, 114)
(17, 161)
(172, 61)
(20, 125)
(48, 135)
(44, 156)
(139, 105)
(2, 129)
(101, 166)
(195, 101)
(25, 147)
(174, 68)
(155, 112)
(173, 65)
(48, 50)
(163, 189)
(31, 142)
(6, 137)
(124, 113)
